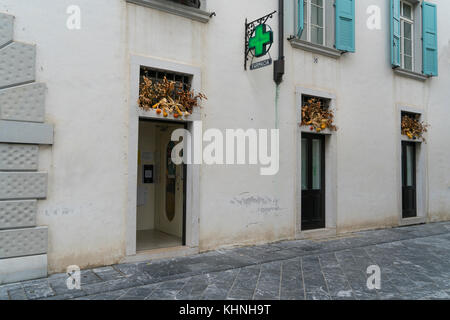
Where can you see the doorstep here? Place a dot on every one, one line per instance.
(317, 234)
(161, 253)
(412, 221)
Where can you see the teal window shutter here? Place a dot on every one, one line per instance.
(429, 34)
(300, 18)
(345, 25)
(395, 33)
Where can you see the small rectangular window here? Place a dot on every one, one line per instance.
(190, 3)
(182, 81)
(323, 101)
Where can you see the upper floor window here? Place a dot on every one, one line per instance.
(414, 37)
(325, 26)
(407, 36)
(191, 9)
(314, 21)
(189, 3)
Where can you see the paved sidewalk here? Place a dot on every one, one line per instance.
(414, 262)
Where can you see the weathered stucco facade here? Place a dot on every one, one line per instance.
(88, 74)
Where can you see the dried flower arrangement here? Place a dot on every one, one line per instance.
(167, 97)
(413, 128)
(315, 115)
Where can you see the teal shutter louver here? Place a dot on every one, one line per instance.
(429, 34)
(345, 25)
(395, 33)
(300, 18)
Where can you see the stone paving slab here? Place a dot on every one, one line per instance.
(245, 283)
(194, 288)
(414, 263)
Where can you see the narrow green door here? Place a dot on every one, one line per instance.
(409, 188)
(313, 181)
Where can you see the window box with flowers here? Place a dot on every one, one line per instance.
(316, 116)
(168, 99)
(412, 128)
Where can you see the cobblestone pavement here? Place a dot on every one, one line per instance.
(414, 262)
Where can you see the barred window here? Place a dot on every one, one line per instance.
(189, 3)
(183, 81)
(325, 103)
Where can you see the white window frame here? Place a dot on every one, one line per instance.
(421, 172)
(330, 168)
(307, 23)
(403, 21)
(193, 172)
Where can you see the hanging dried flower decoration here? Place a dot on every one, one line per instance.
(413, 128)
(317, 117)
(167, 97)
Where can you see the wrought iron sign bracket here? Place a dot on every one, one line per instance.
(249, 30)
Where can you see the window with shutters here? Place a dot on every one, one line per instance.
(414, 38)
(324, 26)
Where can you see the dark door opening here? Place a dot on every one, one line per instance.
(313, 181)
(409, 188)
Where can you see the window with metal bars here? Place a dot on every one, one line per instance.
(182, 81)
(412, 115)
(325, 103)
(189, 3)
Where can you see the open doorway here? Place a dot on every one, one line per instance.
(161, 196)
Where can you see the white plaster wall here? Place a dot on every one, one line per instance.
(248, 207)
(87, 74)
(439, 135)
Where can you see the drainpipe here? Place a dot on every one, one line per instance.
(278, 70)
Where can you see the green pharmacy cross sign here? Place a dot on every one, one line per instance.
(258, 41)
(261, 40)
